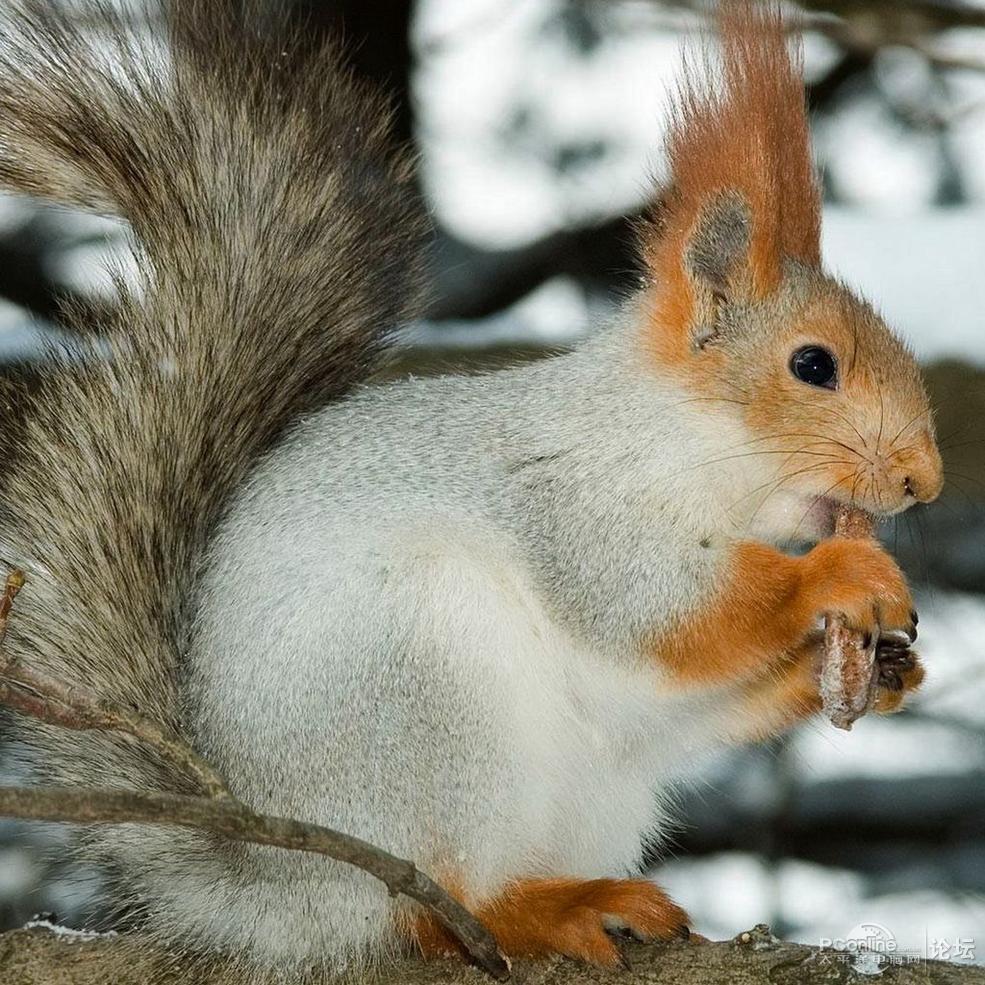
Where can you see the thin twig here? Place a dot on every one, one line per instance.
(235, 821)
(49, 700)
(868, 25)
(52, 702)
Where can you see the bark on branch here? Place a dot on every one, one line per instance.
(50, 701)
(42, 957)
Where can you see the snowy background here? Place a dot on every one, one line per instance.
(539, 127)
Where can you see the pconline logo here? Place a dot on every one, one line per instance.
(871, 944)
(866, 937)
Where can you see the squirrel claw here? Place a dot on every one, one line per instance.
(899, 673)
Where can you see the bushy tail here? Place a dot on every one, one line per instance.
(275, 242)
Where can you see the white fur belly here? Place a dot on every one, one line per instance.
(601, 749)
(480, 736)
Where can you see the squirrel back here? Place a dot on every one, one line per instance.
(275, 239)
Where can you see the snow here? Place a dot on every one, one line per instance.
(19, 338)
(67, 933)
(879, 148)
(730, 892)
(868, 963)
(556, 313)
(883, 748)
(501, 106)
(490, 77)
(923, 271)
(18, 873)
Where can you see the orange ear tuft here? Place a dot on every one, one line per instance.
(743, 191)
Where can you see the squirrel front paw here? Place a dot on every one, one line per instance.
(860, 581)
(900, 674)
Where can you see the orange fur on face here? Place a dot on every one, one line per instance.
(740, 129)
(541, 917)
(868, 441)
(871, 440)
(737, 287)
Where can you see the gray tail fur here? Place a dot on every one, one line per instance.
(275, 237)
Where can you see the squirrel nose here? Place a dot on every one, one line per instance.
(924, 472)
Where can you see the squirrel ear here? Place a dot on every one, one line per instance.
(716, 263)
(717, 254)
(743, 196)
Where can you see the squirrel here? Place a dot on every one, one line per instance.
(485, 622)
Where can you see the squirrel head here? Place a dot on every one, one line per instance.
(829, 402)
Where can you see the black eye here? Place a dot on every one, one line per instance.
(815, 366)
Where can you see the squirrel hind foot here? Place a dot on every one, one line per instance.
(581, 919)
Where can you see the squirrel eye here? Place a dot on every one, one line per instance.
(815, 366)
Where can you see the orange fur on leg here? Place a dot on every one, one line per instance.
(754, 614)
(781, 698)
(572, 917)
(788, 692)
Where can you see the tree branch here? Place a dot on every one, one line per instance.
(49, 701)
(40, 956)
(863, 27)
(13, 584)
(931, 15)
(474, 283)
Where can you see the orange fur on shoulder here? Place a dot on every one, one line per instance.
(755, 615)
(739, 125)
(767, 603)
